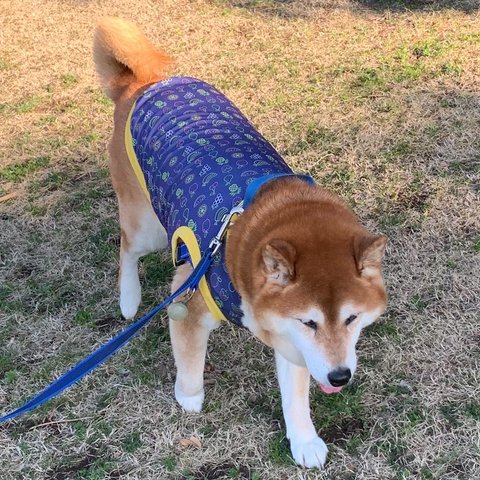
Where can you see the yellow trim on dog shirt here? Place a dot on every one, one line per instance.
(182, 234)
(185, 235)
(132, 156)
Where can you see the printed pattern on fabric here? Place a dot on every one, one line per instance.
(198, 153)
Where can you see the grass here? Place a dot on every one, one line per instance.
(279, 450)
(17, 172)
(380, 104)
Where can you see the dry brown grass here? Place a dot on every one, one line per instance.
(380, 104)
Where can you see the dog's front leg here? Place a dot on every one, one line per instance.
(308, 449)
(189, 339)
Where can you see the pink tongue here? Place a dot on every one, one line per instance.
(326, 389)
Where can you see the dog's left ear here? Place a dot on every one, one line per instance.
(369, 251)
(279, 262)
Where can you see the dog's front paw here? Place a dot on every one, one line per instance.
(190, 403)
(309, 454)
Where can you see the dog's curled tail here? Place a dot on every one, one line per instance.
(124, 55)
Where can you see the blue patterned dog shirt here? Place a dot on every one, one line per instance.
(194, 153)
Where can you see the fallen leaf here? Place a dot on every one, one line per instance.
(190, 442)
(8, 196)
(209, 368)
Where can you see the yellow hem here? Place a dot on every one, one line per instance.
(186, 235)
(182, 234)
(132, 156)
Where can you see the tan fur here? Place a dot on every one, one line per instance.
(323, 232)
(296, 249)
(126, 64)
(123, 55)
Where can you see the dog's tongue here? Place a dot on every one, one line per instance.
(328, 390)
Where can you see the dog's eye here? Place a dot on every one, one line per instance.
(311, 324)
(350, 319)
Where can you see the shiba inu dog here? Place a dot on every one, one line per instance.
(297, 268)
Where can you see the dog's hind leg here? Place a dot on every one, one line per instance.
(189, 339)
(141, 233)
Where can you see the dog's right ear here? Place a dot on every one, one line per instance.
(369, 252)
(279, 262)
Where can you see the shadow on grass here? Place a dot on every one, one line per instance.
(305, 8)
(467, 6)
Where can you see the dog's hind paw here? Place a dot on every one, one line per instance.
(309, 454)
(128, 310)
(190, 403)
(129, 302)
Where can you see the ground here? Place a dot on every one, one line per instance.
(379, 101)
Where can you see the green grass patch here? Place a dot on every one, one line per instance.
(450, 412)
(233, 472)
(390, 222)
(420, 302)
(279, 450)
(80, 429)
(89, 138)
(10, 376)
(46, 120)
(99, 470)
(104, 243)
(55, 142)
(36, 209)
(451, 69)
(451, 263)
(69, 79)
(401, 149)
(383, 328)
(28, 104)
(472, 410)
(464, 167)
(353, 443)
(51, 294)
(106, 399)
(132, 442)
(329, 410)
(84, 318)
(157, 271)
(4, 64)
(16, 172)
(368, 81)
(54, 180)
(169, 462)
(101, 99)
(6, 302)
(476, 245)
(315, 136)
(144, 358)
(396, 451)
(413, 416)
(6, 363)
(428, 48)
(471, 38)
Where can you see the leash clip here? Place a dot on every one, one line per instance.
(217, 240)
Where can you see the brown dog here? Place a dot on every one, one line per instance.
(308, 274)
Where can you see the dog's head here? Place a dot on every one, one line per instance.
(313, 287)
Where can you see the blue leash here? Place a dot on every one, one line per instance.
(112, 346)
(107, 350)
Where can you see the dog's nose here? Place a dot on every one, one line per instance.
(339, 377)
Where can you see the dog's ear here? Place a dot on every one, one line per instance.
(279, 262)
(369, 251)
